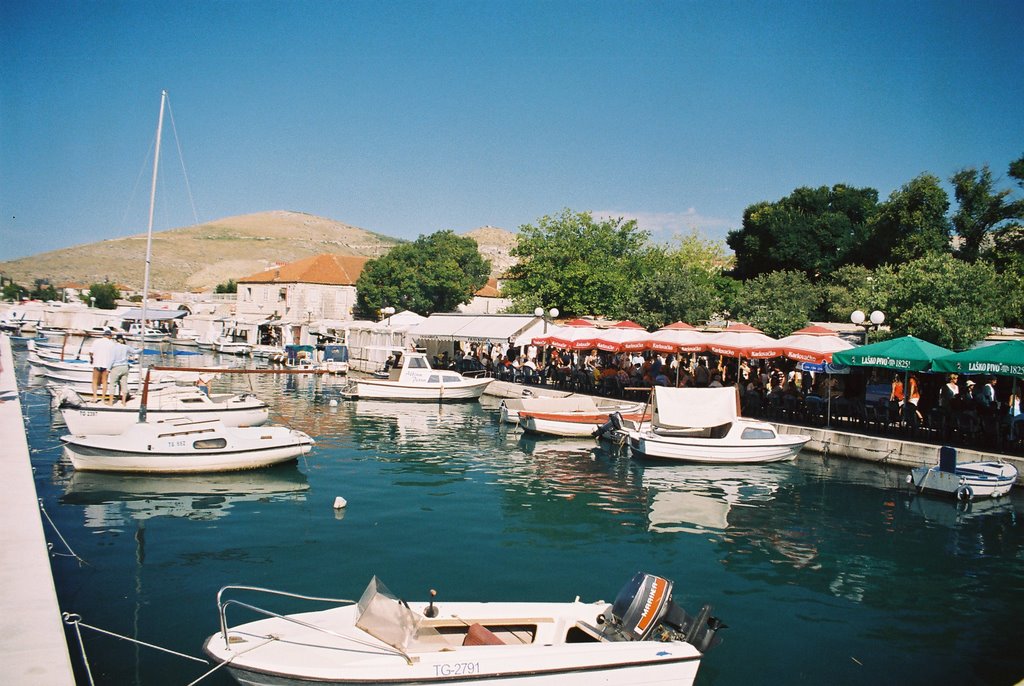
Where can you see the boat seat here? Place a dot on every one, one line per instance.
(479, 635)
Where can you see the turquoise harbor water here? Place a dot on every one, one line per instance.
(826, 571)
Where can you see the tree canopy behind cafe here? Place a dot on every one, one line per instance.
(578, 264)
(434, 273)
(817, 254)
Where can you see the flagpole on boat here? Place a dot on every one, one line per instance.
(149, 248)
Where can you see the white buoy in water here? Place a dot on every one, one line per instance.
(340, 503)
(334, 402)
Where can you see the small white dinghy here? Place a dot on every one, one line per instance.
(641, 638)
(182, 445)
(967, 481)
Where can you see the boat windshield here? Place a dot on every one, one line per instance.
(418, 363)
(387, 618)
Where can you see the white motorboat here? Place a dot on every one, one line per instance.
(229, 346)
(88, 418)
(151, 335)
(641, 638)
(413, 379)
(182, 445)
(966, 481)
(704, 425)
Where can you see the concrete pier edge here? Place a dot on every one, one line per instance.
(33, 648)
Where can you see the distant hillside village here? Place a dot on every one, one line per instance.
(306, 302)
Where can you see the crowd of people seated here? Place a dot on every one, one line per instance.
(948, 407)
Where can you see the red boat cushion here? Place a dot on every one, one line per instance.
(479, 635)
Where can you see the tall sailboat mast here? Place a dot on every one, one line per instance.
(149, 230)
(149, 252)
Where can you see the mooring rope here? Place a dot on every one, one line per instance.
(73, 554)
(228, 661)
(75, 620)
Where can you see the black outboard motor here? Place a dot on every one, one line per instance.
(614, 423)
(644, 610)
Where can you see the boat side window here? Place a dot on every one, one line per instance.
(418, 363)
(450, 379)
(210, 443)
(757, 434)
(433, 378)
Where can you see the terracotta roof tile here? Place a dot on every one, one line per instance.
(336, 270)
(490, 290)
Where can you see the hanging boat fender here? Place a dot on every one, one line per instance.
(964, 493)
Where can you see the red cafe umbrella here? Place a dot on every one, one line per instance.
(811, 347)
(572, 337)
(676, 325)
(668, 340)
(617, 339)
(743, 342)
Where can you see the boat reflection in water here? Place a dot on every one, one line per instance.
(112, 500)
(697, 498)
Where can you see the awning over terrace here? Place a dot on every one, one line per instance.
(509, 329)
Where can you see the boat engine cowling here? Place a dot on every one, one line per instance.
(644, 610)
(613, 424)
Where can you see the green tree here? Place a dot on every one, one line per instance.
(106, 295)
(813, 230)
(581, 266)
(982, 210)
(912, 223)
(853, 287)
(671, 289)
(42, 290)
(229, 286)
(12, 291)
(945, 300)
(777, 303)
(435, 273)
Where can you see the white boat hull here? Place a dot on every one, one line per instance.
(374, 389)
(102, 419)
(304, 655)
(716, 451)
(173, 447)
(969, 481)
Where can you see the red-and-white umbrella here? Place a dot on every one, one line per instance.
(742, 340)
(619, 338)
(816, 348)
(570, 338)
(678, 340)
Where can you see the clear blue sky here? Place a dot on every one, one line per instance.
(410, 117)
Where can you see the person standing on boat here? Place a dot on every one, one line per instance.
(120, 361)
(100, 357)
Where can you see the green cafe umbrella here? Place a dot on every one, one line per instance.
(1003, 359)
(906, 354)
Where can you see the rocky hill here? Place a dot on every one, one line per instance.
(202, 256)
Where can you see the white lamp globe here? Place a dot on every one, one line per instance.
(877, 317)
(553, 312)
(857, 317)
(538, 312)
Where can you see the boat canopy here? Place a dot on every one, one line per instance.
(693, 408)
